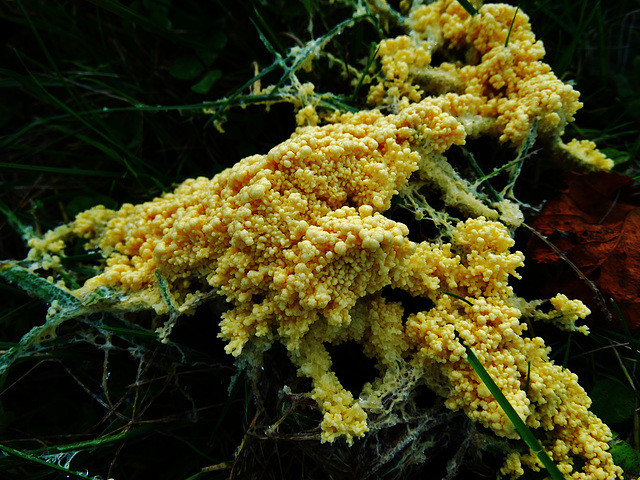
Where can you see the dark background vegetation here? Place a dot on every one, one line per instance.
(101, 103)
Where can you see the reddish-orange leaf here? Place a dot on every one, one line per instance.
(596, 223)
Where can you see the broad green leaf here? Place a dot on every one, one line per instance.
(204, 85)
(613, 401)
(213, 47)
(81, 203)
(626, 457)
(186, 68)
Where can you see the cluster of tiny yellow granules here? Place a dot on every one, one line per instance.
(501, 87)
(377, 325)
(296, 242)
(399, 57)
(587, 155)
(586, 441)
(473, 305)
(299, 228)
(293, 239)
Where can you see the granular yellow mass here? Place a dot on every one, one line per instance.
(297, 243)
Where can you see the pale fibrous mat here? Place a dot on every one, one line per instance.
(297, 242)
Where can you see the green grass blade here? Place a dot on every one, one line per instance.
(39, 287)
(40, 89)
(25, 231)
(525, 433)
(365, 71)
(97, 442)
(562, 64)
(33, 459)
(513, 20)
(128, 14)
(279, 48)
(60, 170)
(67, 307)
(493, 193)
(304, 53)
(468, 7)
(129, 332)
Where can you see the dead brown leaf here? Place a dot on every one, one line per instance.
(595, 222)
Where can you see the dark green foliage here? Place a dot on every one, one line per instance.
(597, 46)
